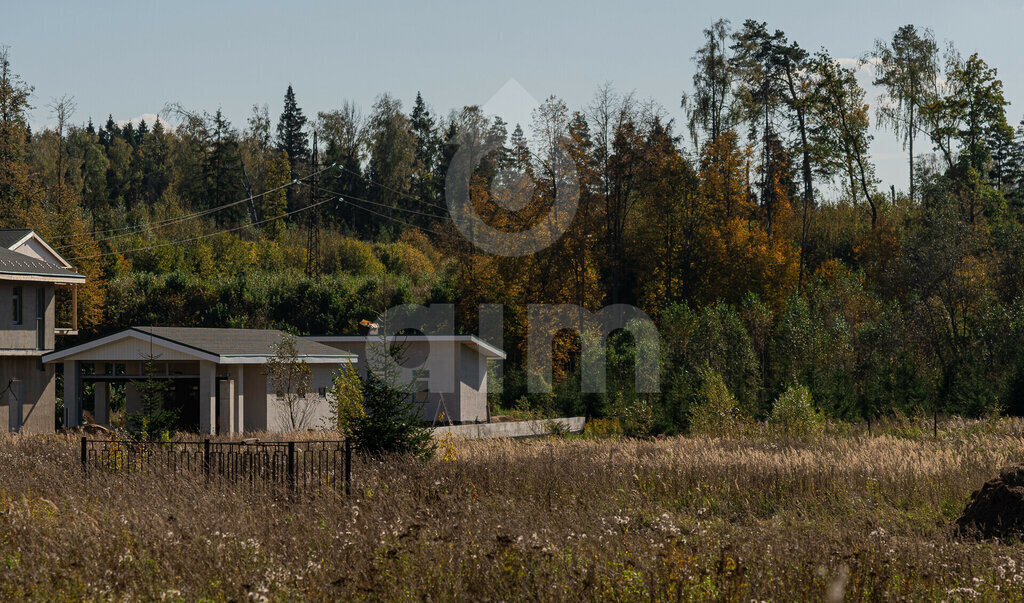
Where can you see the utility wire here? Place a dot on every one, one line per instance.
(388, 188)
(208, 235)
(385, 206)
(386, 217)
(169, 221)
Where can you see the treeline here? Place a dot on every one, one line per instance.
(756, 234)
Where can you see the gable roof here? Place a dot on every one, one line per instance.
(16, 266)
(222, 346)
(28, 242)
(9, 237)
(235, 342)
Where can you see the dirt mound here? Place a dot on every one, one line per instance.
(997, 510)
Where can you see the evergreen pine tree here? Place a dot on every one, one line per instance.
(153, 420)
(392, 423)
(293, 140)
(425, 185)
(223, 169)
(156, 173)
(519, 150)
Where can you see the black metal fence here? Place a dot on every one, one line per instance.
(305, 465)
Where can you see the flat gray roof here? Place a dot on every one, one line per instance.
(485, 348)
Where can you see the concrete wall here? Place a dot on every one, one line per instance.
(511, 429)
(38, 400)
(472, 387)
(255, 398)
(317, 406)
(23, 336)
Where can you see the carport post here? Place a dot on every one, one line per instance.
(72, 387)
(207, 397)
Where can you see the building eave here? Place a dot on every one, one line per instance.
(265, 358)
(23, 353)
(486, 349)
(41, 278)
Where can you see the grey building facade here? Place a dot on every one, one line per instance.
(30, 272)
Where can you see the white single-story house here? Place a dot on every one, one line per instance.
(218, 378)
(451, 370)
(219, 382)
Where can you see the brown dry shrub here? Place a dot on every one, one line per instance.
(549, 519)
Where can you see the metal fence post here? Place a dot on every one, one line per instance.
(85, 453)
(291, 465)
(206, 456)
(348, 467)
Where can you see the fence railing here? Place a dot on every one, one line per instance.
(294, 465)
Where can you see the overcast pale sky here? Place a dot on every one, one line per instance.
(129, 59)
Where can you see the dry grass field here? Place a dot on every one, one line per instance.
(846, 515)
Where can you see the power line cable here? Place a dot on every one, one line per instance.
(405, 209)
(170, 221)
(386, 217)
(388, 188)
(206, 236)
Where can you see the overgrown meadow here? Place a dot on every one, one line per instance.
(840, 515)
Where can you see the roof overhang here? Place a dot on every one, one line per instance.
(186, 350)
(23, 352)
(41, 278)
(263, 359)
(485, 349)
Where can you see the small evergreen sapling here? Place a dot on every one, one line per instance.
(392, 423)
(154, 420)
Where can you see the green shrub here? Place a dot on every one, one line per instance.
(420, 241)
(345, 400)
(794, 415)
(354, 256)
(635, 418)
(602, 428)
(403, 258)
(715, 410)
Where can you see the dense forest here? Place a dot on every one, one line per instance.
(756, 234)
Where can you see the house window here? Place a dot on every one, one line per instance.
(16, 306)
(322, 392)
